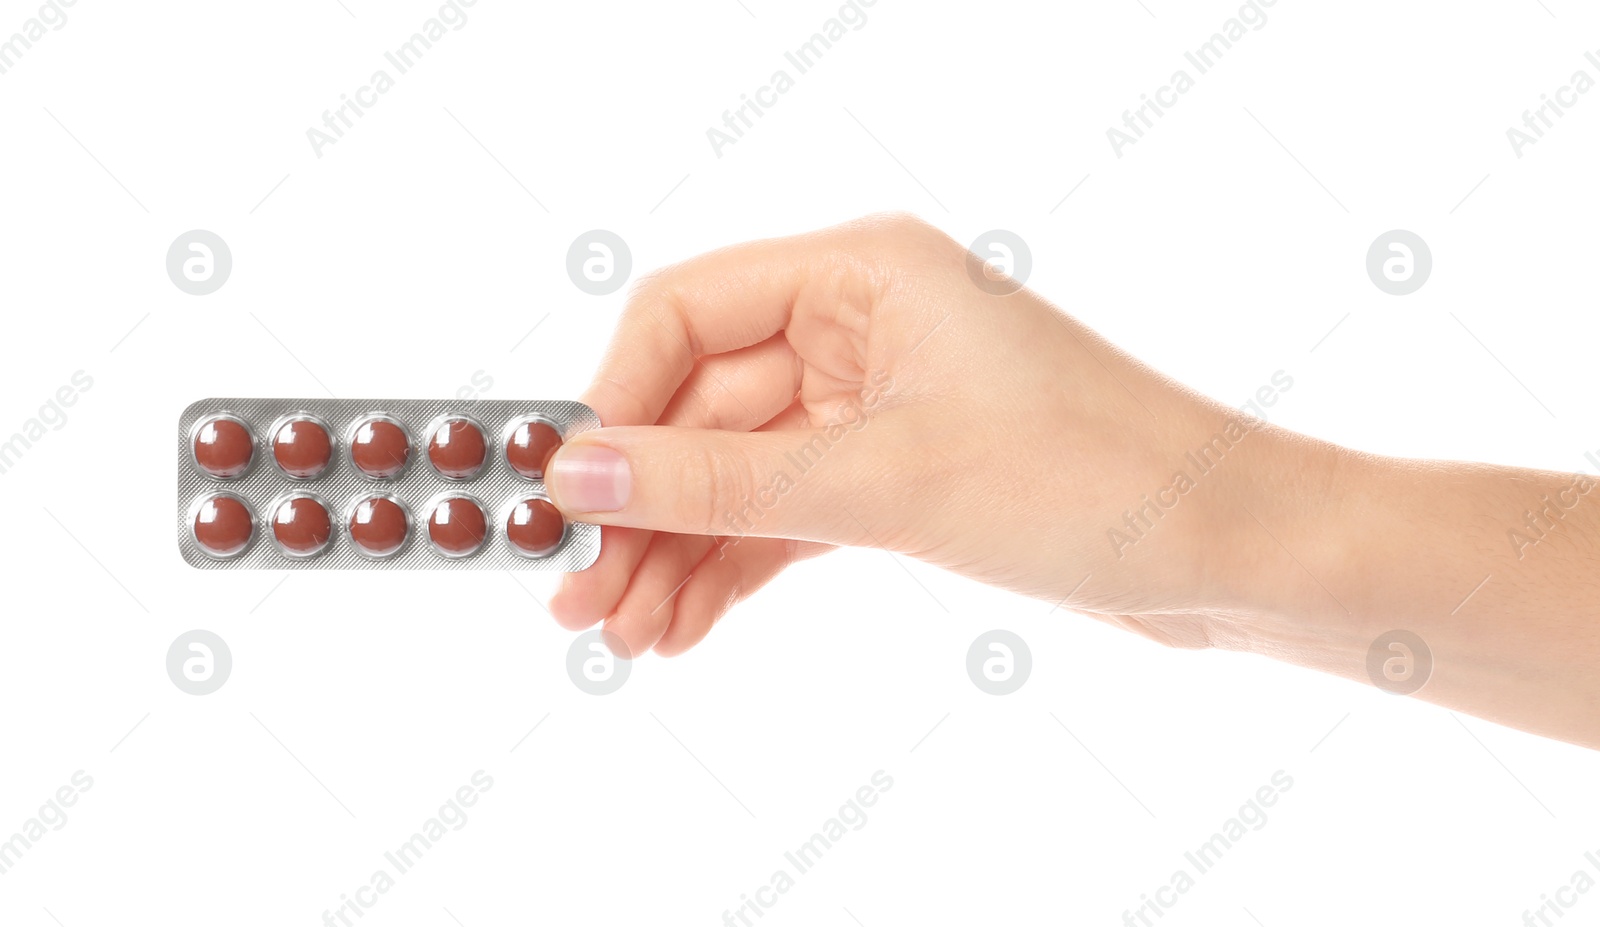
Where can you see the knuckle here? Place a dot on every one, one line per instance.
(646, 291)
(904, 240)
(659, 299)
(896, 222)
(716, 482)
(614, 395)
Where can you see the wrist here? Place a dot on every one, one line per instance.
(1488, 569)
(1300, 548)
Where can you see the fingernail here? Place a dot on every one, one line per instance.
(589, 478)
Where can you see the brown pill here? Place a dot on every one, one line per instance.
(223, 448)
(223, 526)
(535, 528)
(302, 448)
(302, 526)
(378, 526)
(457, 449)
(530, 447)
(379, 448)
(457, 526)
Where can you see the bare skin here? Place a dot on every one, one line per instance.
(769, 401)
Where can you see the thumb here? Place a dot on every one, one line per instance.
(783, 484)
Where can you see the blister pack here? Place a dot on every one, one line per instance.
(418, 484)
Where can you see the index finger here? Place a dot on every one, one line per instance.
(721, 301)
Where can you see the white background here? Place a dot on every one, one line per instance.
(406, 258)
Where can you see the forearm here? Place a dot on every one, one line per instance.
(1495, 569)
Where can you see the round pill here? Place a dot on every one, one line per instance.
(302, 526)
(378, 526)
(223, 526)
(530, 447)
(379, 448)
(457, 526)
(457, 449)
(223, 448)
(535, 528)
(302, 448)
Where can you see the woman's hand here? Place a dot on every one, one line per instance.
(872, 385)
(875, 385)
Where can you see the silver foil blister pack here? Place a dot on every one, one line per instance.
(413, 484)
